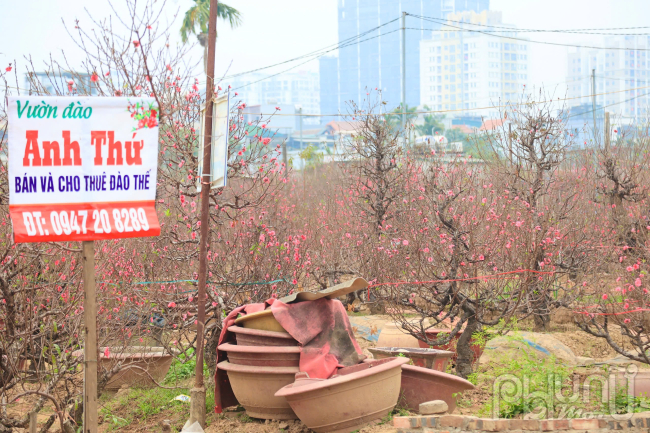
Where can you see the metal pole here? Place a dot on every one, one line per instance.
(593, 98)
(404, 71)
(607, 133)
(197, 394)
(90, 339)
(300, 117)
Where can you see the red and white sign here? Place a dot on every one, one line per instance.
(82, 168)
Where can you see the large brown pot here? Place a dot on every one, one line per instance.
(256, 337)
(138, 366)
(262, 320)
(348, 400)
(424, 384)
(427, 358)
(255, 389)
(392, 335)
(262, 356)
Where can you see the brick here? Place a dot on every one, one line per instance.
(474, 423)
(615, 425)
(401, 422)
(554, 424)
(515, 424)
(451, 421)
(640, 422)
(430, 421)
(495, 424)
(415, 421)
(585, 424)
(530, 424)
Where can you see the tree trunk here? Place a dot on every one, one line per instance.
(465, 360)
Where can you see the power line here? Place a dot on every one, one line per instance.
(318, 53)
(528, 40)
(540, 30)
(528, 31)
(307, 61)
(464, 109)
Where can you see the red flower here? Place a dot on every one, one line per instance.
(94, 77)
(136, 44)
(8, 69)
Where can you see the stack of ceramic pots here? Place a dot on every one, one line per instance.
(265, 359)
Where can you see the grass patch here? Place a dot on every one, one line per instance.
(138, 405)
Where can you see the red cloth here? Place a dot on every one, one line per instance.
(322, 329)
(324, 332)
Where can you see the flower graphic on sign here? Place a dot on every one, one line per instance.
(145, 115)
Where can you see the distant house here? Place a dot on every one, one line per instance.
(464, 129)
(492, 124)
(337, 129)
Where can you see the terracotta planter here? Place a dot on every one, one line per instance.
(255, 388)
(262, 320)
(423, 384)
(391, 335)
(427, 358)
(262, 356)
(137, 366)
(641, 383)
(255, 337)
(451, 346)
(348, 400)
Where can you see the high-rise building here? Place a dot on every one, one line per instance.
(621, 75)
(464, 70)
(374, 60)
(300, 89)
(329, 79)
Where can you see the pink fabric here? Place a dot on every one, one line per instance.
(324, 332)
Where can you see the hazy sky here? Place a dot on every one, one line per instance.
(277, 30)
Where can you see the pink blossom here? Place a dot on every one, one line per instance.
(605, 297)
(171, 305)
(107, 353)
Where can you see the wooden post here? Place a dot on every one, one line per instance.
(90, 339)
(197, 394)
(32, 422)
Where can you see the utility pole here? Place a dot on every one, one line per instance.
(404, 73)
(593, 98)
(607, 134)
(197, 394)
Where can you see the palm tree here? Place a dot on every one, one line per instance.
(432, 124)
(197, 17)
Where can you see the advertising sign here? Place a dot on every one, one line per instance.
(219, 143)
(82, 168)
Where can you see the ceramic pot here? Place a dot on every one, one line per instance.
(424, 384)
(451, 346)
(348, 400)
(392, 335)
(255, 337)
(255, 389)
(262, 320)
(262, 356)
(427, 358)
(139, 366)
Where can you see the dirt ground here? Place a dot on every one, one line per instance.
(233, 421)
